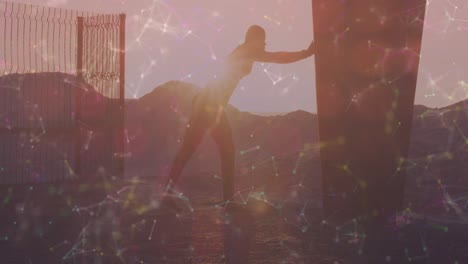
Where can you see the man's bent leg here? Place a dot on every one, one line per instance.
(222, 135)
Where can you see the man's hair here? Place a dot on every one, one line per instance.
(254, 32)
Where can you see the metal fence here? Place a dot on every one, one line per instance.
(61, 93)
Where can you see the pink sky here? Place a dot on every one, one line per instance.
(165, 50)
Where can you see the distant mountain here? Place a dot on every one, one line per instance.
(437, 165)
(268, 113)
(37, 126)
(157, 120)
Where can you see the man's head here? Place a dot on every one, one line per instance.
(255, 37)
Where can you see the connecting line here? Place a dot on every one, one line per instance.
(239, 193)
(461, 132)
(355, 233)
(113, 199)
(124, 189)
(89, 207)
(152, 229)
(271, 204)
(274, 165)
(274, 78)
(52, 248)
(186, 201)
(301, 154)
(242, 152)
(449, 201)
(75, 246)
(179, 195)
(260, 196)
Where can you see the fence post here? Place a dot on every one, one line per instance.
(121, 134)
(79, 71)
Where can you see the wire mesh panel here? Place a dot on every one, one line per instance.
(61, 93)
(37, 38)
(101, 52)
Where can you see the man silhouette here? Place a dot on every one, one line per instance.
(208, 106)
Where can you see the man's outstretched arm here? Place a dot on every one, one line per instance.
(284, 57)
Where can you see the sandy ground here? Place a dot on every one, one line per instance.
(118, 221)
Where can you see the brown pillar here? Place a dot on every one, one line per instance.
(366, 66)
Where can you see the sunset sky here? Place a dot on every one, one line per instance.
(186, 40)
